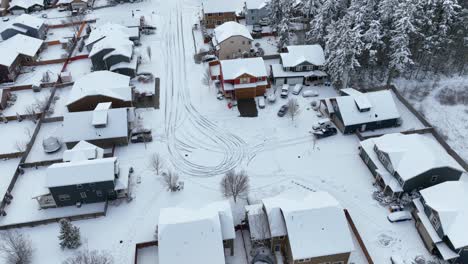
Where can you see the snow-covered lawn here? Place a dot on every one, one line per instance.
(59, 33)
(24, 99)
(60, 106)
(33, 75)
(15, 135)
(53, 52)
(37, 153)
(7, 169)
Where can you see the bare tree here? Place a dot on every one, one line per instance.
(293, 108)
(89, 257)
(21, 146)
(148, 50)
(15, 248)
(30, 113)
(156, 163)
(170, 180)
(235, 184)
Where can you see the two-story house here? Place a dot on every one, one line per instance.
(403, 163)
(306, 228)
(217, 12)
(441, 216)
(84, 177)
(232, 40)
(113, 30)
(299, 64)
(242, 78)
(18, 7)
(187, 235)
(255, 10)
(15, 52)
(25, 24)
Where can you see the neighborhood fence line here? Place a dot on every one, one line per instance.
(358, 237)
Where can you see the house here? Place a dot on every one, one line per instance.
(309, 228)
(109, 29)
(24, 24)
(356, 111)
(17, 51)
(403, 163)
(4, 96)
(114, 53)
(84, 177)
(195, 235)
(241, 78)
(100, 87)
(255, 10)
(216, 12)
(19, 7)
(232, 40)
(74, 4)
(299, 64)
(441, 216)
(104, 126)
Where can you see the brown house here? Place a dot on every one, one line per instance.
(100, 87)
(310, 229)
(216, 12)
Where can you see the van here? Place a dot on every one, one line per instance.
(284, 91)
(297, 89)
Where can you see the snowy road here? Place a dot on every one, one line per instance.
(191, 136)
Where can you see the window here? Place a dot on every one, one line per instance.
(99, 193)
(277, 247)
(92, 184)
(435, 221)
(338, 262)
(232, 41)
(434, 178)
(79, 186)
(244, 80)
(243, 42)
(64, 197)
(83, 195)
(240, 50)
(259, 79)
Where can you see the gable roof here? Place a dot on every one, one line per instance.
(25, 19)
(303, 53)
(17, 45)
(232, 69)
(108, 29)
(83, 151)
(222, 6)
(230, 29)
(414, 154)
(381, 103)
(80, 172)
(118, 42)
(316, 216)
(449, 199)
(103, 83)
(25, 3)
(195, 236)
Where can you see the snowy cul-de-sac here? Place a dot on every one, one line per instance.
(233, 131)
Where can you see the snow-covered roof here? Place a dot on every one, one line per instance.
(104, 83)
(278, 71)
(230, 29)
(232, 69)
(413, 154)
(110, 29)
(382, 107)
(16, 45)
(80, 172)
(316, 216)
(79, 126)
(83, 151)
(100, 114)
(27, 20)
(302, 54)
(222, 6)
(256, 4)
(195, 236)
(449, 199)
(258, 222)
(125, 65)
(121, 45)
(25, 3)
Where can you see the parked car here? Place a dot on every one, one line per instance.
(140, 130)
(322, 123)
(220, 96)
(325, 132)
(264, 22)
(261, 102)
(283, 110)
(141, 138)
(399, 216)
(271, 98)
(327, 83)
(208, 58)
(297, 89)
(396, 208)
(284, 91)
(310, 93)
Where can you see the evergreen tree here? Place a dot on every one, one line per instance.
(69, 235)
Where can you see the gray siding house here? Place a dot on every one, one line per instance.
(403, 163)
(255, 10)
(441, 216)
(27, 25)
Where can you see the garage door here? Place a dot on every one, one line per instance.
(295, 80)
(279, 81)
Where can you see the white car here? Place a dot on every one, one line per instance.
(297, 89)
(261, 102)
(271, 98)
(284, 91)
(399, 216)
(310, 93)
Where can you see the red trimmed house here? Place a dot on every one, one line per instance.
(241, 78)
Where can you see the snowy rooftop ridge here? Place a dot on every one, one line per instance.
(25, 3)
(449, 200)
(230, 29)
(299, 54)
(18, 45)
(25, 19)
(83, 151)
(232, 69)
